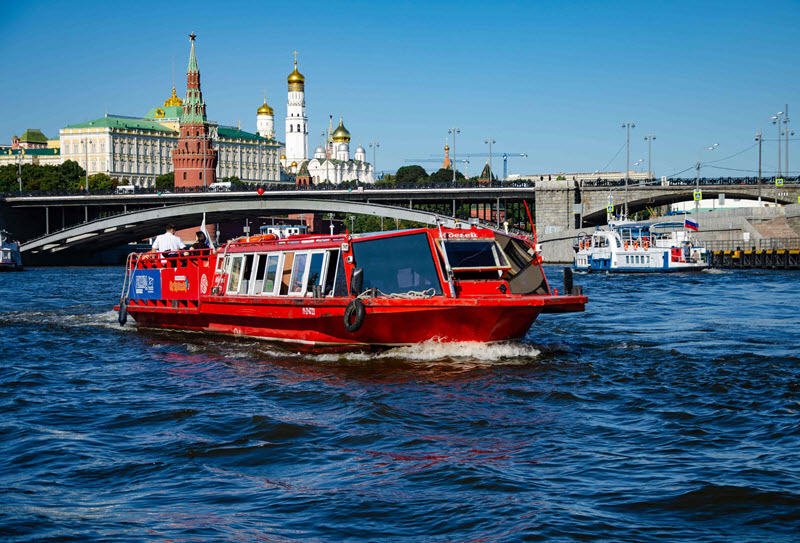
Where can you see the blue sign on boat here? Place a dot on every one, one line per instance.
(145, 285)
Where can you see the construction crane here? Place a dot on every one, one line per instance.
(504, 156)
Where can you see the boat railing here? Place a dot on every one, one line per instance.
(189, 258)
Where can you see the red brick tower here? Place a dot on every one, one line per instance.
(195, 160)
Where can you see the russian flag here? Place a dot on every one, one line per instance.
(691, 225)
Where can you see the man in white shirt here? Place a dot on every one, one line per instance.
(168, 243)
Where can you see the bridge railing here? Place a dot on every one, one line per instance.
(323, 187)
(757, 245)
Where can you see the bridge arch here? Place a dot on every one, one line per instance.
(128, 227)
(640, 198)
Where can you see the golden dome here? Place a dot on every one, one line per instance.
(296, 79)
(283, 157)
(446, 147)
(341, 133)
(173, 100)
(265, 109)
(294, 164)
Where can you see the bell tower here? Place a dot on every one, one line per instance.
(194, 160)
(296, 120)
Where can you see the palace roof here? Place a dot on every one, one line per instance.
(33, 135)
(123, 123)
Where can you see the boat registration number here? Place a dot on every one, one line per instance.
(309, 311)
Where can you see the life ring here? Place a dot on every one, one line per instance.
(354, 315)
(625, 244)
(645, 245)
(635, 245)
(582, 245)
(262, 237)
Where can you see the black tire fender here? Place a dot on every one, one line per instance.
(122, 317)
(354, 315)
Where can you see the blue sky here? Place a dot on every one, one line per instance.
(554, 80)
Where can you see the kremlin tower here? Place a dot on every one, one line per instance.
(265, 120)
(296, 120)
(194, 159)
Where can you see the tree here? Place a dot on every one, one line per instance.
(166, 181)
(72, 174)
(101, 181)
(445, 176)
(411, 174)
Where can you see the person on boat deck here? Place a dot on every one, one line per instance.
(200, 241)
(168, 243)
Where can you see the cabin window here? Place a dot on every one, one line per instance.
(397, 264)
(246, 274)
(235, 274)
(286, 271)
(271, 273)
(315, 270)
(330, 272)
(258, 278)
(298, 273)
(474, 254)
(340, 283)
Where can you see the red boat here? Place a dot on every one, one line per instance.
(379, 289)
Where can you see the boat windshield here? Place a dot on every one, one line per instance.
(474, 254)
(398, 264)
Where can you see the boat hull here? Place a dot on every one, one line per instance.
(387, 322)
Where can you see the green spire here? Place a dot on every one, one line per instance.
(192, 59)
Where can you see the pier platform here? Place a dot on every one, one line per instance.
(779, 259)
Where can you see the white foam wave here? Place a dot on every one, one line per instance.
(715, 271)
(432, 351)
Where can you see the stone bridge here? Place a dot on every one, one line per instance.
(556, 200)
(137, 225)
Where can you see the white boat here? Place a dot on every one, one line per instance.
(630, 247)
(10, 259)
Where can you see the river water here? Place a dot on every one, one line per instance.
(668, 411)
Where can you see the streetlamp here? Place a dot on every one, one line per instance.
(374, 145)
(454, 131)
(787, 133)
(490, 141)
(352, 221)
(19, 168)
(649, 138)
(628, 125)
(759, 139)
(777, 121)
(330, 218)
(466, 168)
(697, 181)
(635, 164)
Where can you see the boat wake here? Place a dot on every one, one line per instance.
(439, 351)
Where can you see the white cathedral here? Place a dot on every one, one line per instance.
(330, 163)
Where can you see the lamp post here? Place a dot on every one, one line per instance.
(19, 168)
(635, 164)
(759, 139)
(86, 155)
(466, 168)
(787, 133)
(490, 141)
(777, 121)
(628, 125)
(374, 146)
(454, 131)
(352, 222)
(697, 181)
(649, 138)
